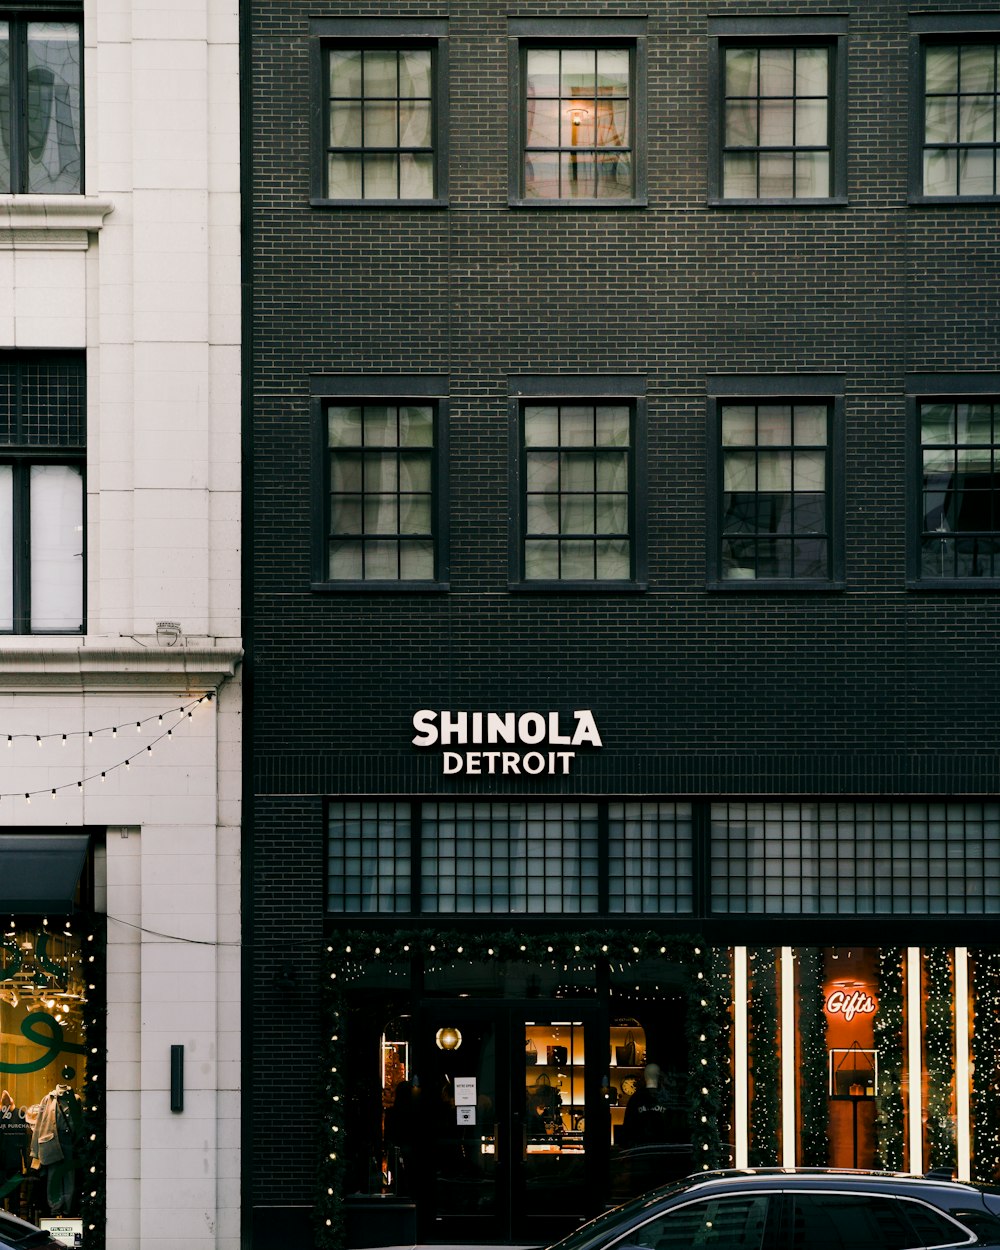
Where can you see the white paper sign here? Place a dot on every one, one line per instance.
(465, 1091)
(68, 1231)
(465, 1115)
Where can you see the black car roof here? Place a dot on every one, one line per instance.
(820, 1178)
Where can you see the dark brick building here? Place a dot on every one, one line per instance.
(644, 365)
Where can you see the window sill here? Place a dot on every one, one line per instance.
(577, 588)
(831, 201)
(319, 202)
(379, 588)
(962, 585)
(51, 222)
(576, 205)
(950, 201)
(761, 585)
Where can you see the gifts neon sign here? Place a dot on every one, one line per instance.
(849, 1005)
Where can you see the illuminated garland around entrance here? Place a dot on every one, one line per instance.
(889, 1044)
(707, 1017)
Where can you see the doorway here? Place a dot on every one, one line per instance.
(514, 1123)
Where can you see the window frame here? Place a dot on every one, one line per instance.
(779, 32)
(528, 32)
(925, 31)
(367, 389)
(772, 389)
(575, 389)
(950, 388)
(387, 34)
(22, 455)
(19, 16)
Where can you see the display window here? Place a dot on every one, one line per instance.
(43, 1071)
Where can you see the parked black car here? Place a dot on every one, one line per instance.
(18, 1234)
(798, 1209)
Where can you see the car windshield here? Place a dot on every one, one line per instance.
(606, 1224)
(15, 1232)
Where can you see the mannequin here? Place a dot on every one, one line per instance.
(646, 1120)
(53, 1140)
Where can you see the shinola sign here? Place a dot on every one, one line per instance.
(519, 730)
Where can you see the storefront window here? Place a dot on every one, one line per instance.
(42, 1072)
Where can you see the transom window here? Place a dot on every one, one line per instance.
(41, 118)
(960, 119)
(775, 468)
(960, 489)
(777, 123)
(578, 123)
(577, 524)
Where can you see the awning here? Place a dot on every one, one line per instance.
(39, 872)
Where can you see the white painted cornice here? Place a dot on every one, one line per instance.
(52, 665)
(50, 222)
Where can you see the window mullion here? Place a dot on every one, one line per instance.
(18, 106)
(21, 537)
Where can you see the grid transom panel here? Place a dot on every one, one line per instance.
(855, 858)
(650, 858)
(510, 857)
(368, 857)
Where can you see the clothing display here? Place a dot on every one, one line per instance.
(53, 1140)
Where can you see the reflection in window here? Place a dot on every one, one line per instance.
(381, 476)
(961, 140)
(960, 513)
(715, 1223)
(380, 124)
(777, 123)
(578, 123)
(40, 107)
(774, 482)
(577, 515)
(848, 1222)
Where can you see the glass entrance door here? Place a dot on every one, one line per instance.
(511, 1107)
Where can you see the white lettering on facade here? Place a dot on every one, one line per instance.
(851, 1005)
(447, 728)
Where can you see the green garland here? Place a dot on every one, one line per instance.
(889, 1043)
(986, 1065)
(351, 951)
(93, 1154)
(939, 1046)
(814, 1063)
(764, 1146)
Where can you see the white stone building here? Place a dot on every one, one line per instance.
(119, 605)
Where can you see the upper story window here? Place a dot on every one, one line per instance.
(956, 426)
(579, 480)
(778, 103)
(380, 483)
(41, 106)
(381, 94)
(42, 456)
(954, 111)
(579, 89)
(776, 515)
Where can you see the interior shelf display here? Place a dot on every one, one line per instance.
(628, 1058)
(853, 1072)
(554, 1087)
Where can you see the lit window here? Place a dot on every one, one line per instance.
(580, 103)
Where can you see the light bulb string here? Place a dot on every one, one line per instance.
(105, 729)
(101, 773)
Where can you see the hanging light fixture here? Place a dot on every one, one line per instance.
(448, 1038)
